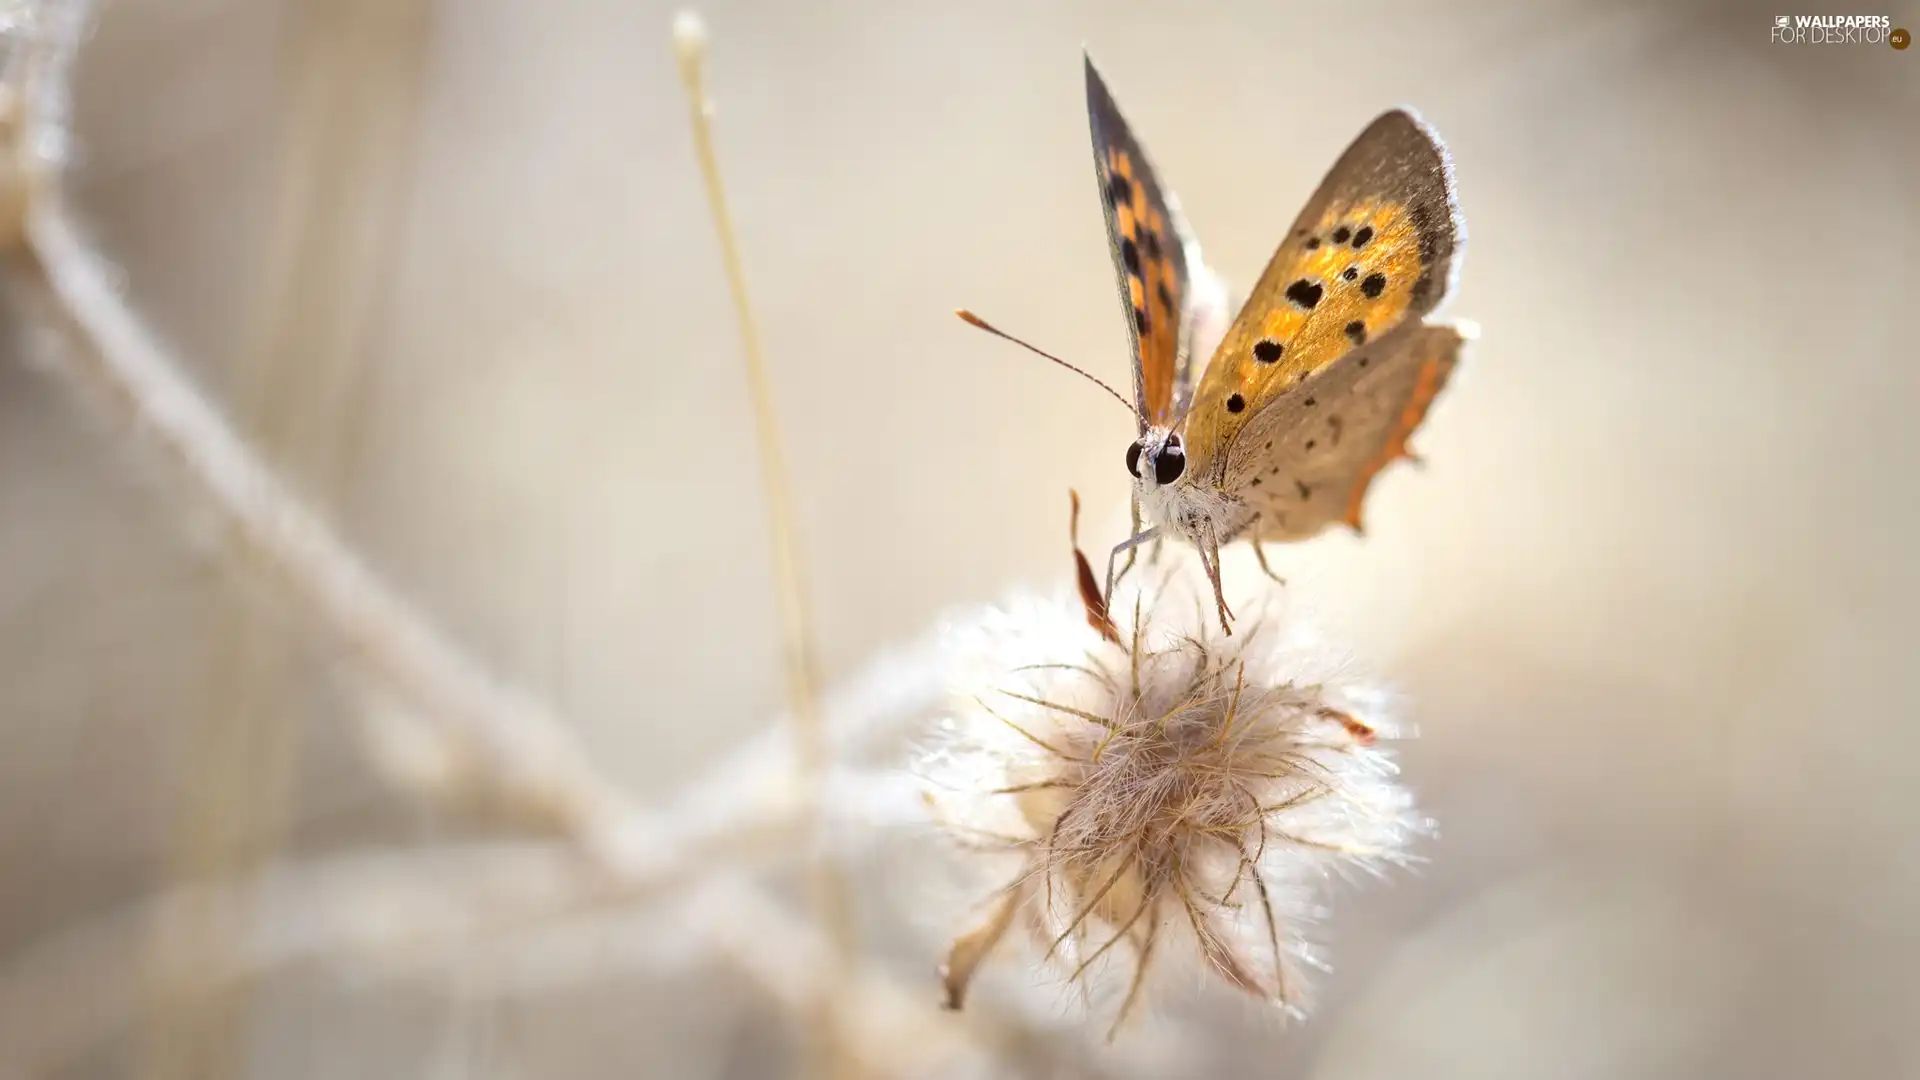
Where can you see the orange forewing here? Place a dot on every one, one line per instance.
(1373, 248)
(1153, 252)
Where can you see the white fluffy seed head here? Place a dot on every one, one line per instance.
(1181, 793)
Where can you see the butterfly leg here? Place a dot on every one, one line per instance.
(1210, 559)
(1127, 545)
(1114, 579)
(1261, 554)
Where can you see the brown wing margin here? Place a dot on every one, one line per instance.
(1438, 352)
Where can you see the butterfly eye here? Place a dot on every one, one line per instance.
(1133, 460)
(1170, 464)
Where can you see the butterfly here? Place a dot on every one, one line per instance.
(1325, 372)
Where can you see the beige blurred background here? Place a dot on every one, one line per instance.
(451, 268)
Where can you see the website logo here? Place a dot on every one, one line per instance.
(1839, 30)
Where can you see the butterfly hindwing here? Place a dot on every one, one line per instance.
(1373, 250)
(1153, 255)
(1306, 463)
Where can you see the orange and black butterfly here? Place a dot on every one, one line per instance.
(1327, 369)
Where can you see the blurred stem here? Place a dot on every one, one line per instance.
(353, 69)
(505, 740)
(71, 315)
(810, 736)
(38, 39)
(307, 330)
(382, 915)
(64, 291)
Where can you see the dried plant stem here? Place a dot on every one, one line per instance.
(37, 43)
(67, 292)
(100, 345)
(96, 341)
(340, 170)
(810, 735)
(93, 339)
(376, 913)
(499, 740)
(518, 749)
(104, 349)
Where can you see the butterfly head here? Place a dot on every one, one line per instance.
(1156, 459)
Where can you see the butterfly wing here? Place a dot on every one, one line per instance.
(1305, 462)
(1374, 249)
(1154, 256)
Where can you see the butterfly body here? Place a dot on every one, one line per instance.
(1325, 371)
(1172, 498)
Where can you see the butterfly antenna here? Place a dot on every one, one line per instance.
(983, 324)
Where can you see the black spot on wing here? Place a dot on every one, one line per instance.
(1340, 234)
(1304, 293)
(1374, 285)
(1357, 330)
(1119, 190)
(1236, 403)
(1267, 350)
(1361, 237)
(1130, 254)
